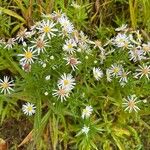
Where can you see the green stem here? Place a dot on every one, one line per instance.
(133, 7)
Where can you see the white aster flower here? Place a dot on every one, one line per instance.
(130, 103)
(28, 56)
(75, 5)
(67, 30)
(25, 66)
(10, 43)
(123, 76)
(136, 54)
(57, 15)
(115, 70)
(67, 26)
(87, 112)
(39, 44)
(85, 130)
(66, 81)
(72, 61)
(28, 109)
(122, 28)
(69, 46)
(98, 74)
(97, 43)
(146, 48)
(84, 38)
(63, 20)
(121, 40)
(61, 93)
(21, 35)
(143, 70)
(6, 85)
(46, 28)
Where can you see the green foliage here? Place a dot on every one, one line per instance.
(86, 15)
(58, 125)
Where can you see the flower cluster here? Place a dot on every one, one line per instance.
(65, 84)
(86, 113)
(132, 45)
(63, 61)
(130, 49)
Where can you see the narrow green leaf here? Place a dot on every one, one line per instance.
(16, 28)
(12, 13)
(118, 143)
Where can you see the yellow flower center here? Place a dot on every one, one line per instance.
(121, 40)
(116, 70)
(73, 61)
(70, 46)
(61, 92)
(5, 85)
(29, 108)
(131, 104)
(47, 29)
(139, 36)
(146, 48)
(85, 111)
(66, 82)
(40, 44)
(28, 55)
(96, 74)
(125, 44)
(145, 71)
(124, 75)
(98, 43)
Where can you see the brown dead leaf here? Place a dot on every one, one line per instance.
(97, 6)
(3, 144)
(26, 139)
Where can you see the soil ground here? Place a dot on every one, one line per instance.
(14, 131)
